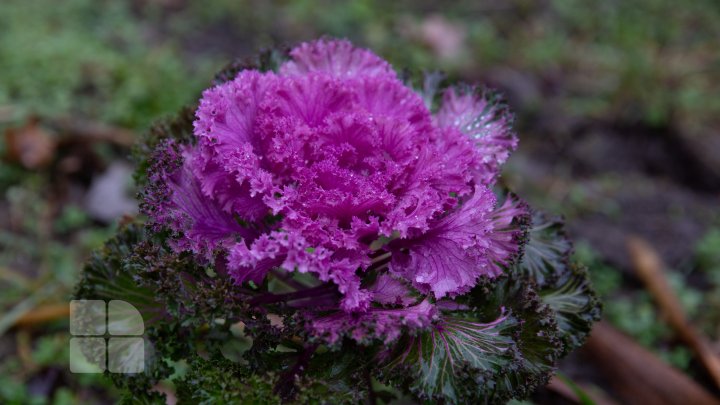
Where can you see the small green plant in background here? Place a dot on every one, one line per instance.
(88, 59)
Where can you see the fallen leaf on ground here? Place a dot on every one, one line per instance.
(30, 145)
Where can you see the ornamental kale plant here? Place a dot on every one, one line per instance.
(319, 230)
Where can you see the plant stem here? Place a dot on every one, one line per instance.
(380, 261)
(372, 398)
(270, 298)
(286, 278)
(286, 383)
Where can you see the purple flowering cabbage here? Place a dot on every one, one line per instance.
(355, 228)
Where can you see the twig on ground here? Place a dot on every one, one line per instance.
(637, 375)
(23, 307)
(43, 314)
(649, 268)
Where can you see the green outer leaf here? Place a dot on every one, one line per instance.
(178, 127)
(187, 312)
(443, 354)
(220, 381)
(105, 277)
(537, 340)
(268, 60)
(344, 371)
(564, 286)
(575, 304)
(547, 251)
(503, 347)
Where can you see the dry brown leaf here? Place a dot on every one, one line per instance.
(30, 145)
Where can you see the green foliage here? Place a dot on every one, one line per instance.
(447, 361)
(106, 278)
(564, 286)
(190, 313)
(221, 381)
(487, 354)
(505, 346)
(88, 60)
(547, 251)
(573, 299)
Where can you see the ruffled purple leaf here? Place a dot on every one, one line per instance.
(292, 252)
(337, 57)
(481, 117)
(511, 220)
(174, 200)
(341, 153)
(473, 241)
(384, 324)
(388, 290)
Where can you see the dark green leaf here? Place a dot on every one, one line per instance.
(106, 278)
(443, 355)
(220, 381)
(503, 346)
(547, 250)
(178, 127)
(266, 61)
(575, 304)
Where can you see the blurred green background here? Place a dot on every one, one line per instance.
(618, 113)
